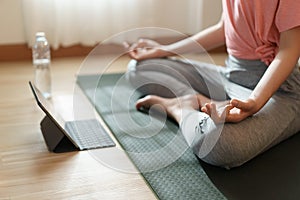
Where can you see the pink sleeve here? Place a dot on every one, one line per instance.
(288, 15)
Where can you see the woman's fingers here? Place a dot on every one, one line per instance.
(146, 43)
(144, 49)
(211, 110)
(217, 114)
(136, 50)
(132, 50)
(206, 108)
(126, 45)
(233, 111)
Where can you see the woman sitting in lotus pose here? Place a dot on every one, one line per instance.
(230, 114)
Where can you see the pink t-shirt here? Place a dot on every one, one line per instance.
(253, 27)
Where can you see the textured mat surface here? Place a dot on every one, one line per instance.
(154, 144)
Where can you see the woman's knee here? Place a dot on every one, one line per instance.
(225, 149)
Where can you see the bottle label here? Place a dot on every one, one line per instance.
(44, 62)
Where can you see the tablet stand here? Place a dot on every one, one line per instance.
(54, 138)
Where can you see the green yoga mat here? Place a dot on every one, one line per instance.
(154, 144)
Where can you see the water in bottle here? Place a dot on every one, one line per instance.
(41, 61)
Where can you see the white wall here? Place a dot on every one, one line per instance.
(12, 29)
(212, 12)
(11, 25)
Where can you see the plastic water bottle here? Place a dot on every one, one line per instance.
(41, 60)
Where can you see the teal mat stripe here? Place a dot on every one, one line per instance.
(150, 143)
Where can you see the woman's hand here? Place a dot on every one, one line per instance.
(233, 111)
(145, 49)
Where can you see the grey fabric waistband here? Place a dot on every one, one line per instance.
(244, 72)
(247, 73)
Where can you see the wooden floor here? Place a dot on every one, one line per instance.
(28, 170)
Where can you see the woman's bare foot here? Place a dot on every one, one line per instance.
(173, 106)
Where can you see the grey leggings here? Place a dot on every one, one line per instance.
(230, 144)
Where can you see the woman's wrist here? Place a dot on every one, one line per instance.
(256, 104)
(166, 50)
